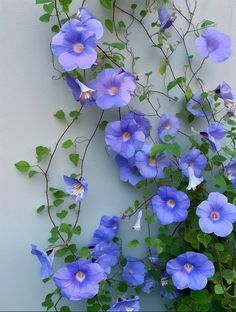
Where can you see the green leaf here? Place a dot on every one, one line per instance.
(74, 158)
(122, 286)
(72, 206)
(204, 239)
(84, 252)
(133, 244)
(218, 289)
(32, 173)
(59, 114)
(41, 209)
(55, 29)
(74, 114)
(157, 149)
(45, 18)
(43, 1)
(188, 94)
(109, 25)
(77, 230)
(60, 194)
(118, 45)
(48, 8)
(219, 180)
(229, 276)
(106, 4)
(178, 81)
(133, 6)
(58, 202)
(62, 214)
(207, 23)
(174, 149)
(162, 69)
(103, 124)
(67, 143)
(22, 166)
(219, 247)
(41, 152)
(65, 309)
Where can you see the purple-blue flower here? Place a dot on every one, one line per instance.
(128, 171)
(214, 44)
(165, 18)
(46, 259)
(170, 205)
(74, 48)
(79, 280)
(114, 87)
(88, 23)
(149, 167)
(149, 283)
(168, 126)
(134, 272)
(200, 107)
(224, 91)
(230, 171)
(80, 91)
(190, 270)
(214, 133)
(124, 137)
(193, 159)
(106, 231)
(126, 305)
(163, 284)
(77, 188)
(143, 123)
(106, 255)
(216, 215)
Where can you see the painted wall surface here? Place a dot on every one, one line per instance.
(28, 99)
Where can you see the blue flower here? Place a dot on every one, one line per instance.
(106, 231)
(170, 205)
(216, 215)
(214, 44)
(169, 126)
(149, 167)
(124, 137)
(46, 259)
(214, 133)
(200, 107)
(77, 188)
(165, 18)
(126, 305)
(149, 283)
(88, 23)
(190, 270)
(230, 171)
(143, 123)
(128, 170)
(224, 91)
(79, 280)
(193, 159)
(164, 282)
(80, 91)
(114, 87)
(73, 47)
(133, 272)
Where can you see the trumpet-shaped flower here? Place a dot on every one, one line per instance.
(200, 107)
(106, 255)
(224, 91)
(77, 188)
(80, 91)
(216, 215)
(193, 180)
(134, 272)
(170, 205)
(143, 123)
(79, 280)
(165, 18)
(190, 270)
(193, 159)
(114, 87)
(46, 259)
(169, 126)
(74, 48)
(214, 44)
(88, 23)
(128, 171)
(214, 133)
(230, 171)
(126, 305)
(124, 137)
(137, 226)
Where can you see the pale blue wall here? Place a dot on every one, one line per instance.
(28, 100)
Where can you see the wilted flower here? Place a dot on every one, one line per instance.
(74, 48)
(77, 188)
(214, 44)
(124, 137)
(80, 91)
(170, 205)
(114, 87)
(126, 305)
(46, 259)
(165, 18)
(169, 126)
(200, 107)
(79, 280)
(151, 167)
(230, 171)
(133, 272)
(143, 123)
(137, 226)
(216, 215)
(190, 270)
(88, 23)
(214, 133)
(128, 171)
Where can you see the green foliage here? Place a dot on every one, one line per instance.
(59, 114)
(22, 166)
(106, 4)
(74, 158)
(109, 25)
(133, 244)
(41, 152)
(67, 144)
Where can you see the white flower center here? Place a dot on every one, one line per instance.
(188, 267)
(113, 91)
(164, 281)
(167, 126)
(126, 136)
(78, 47)
(215, 215)
(78, 189)
(80, 276)
(171, 203)
(86, 95)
